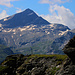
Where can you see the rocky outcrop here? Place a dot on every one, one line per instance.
(69, 49)
(31, 64)
(9, 65)
(68, 67)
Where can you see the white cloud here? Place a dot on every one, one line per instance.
(59, 14)
(3, 14)
(7, 2)
(44, 1)
(63, 15)
(18, 10)
(53, 1)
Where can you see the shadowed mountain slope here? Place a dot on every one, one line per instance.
(24, 18)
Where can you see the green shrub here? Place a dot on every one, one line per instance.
(2, 68)
(58, 57)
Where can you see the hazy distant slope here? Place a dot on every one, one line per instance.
(4, 51)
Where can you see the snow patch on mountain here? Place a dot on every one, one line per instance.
(12, 36)
(9, 30)
(30, 27)
(20, 34)
(22, 29)
(47, 32)
(51, 25)
(30, 13)
(0, 25)
(14, 33)
(5, 19)
(62, 32)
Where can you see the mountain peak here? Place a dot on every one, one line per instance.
(29, 12)
(24, 18)
(28, 9)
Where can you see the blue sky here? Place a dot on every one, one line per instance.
(54, 11)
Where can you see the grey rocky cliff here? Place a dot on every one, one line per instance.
(69, 49)
(68, 67)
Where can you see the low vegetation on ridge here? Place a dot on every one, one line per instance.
(32, 64)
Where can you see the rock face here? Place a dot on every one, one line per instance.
(68, 67)
(69, 49)
(10, 64)
(31, 64)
